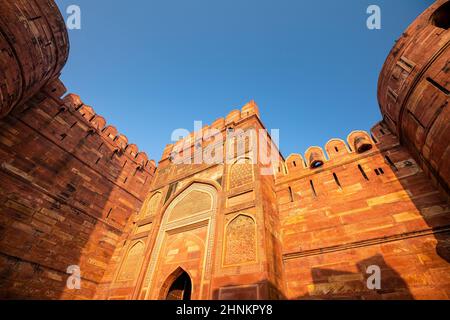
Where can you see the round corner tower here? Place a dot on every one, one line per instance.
(414, 87)
(34, 47)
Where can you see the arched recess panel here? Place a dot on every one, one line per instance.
(185, 239)
(152, 205)
(132, 263)
(241, 173)
(194, 202)
(240, 241)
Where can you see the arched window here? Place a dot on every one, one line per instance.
(315, 157)
(360, 141)
(362, 144)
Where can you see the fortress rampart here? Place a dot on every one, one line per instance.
(75, 192)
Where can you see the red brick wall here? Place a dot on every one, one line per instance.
(397, 220)
(67, 191)
(72, 188)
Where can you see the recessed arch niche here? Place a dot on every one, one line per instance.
(190, 215)
(240, 241)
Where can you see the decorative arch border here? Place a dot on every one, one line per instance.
(143, 213)
(180, 198)
(234, 217)
(211, 183)
(206, 218)
(122, 264)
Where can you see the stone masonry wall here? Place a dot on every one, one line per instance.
(384, 213)
(68, 186)
(75, 192)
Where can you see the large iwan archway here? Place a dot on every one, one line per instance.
(184, 244)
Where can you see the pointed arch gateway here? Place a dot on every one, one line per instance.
(178, 286)
(185, 238)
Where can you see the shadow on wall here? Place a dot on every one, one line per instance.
(334, 284)
(60, 185)
(443, 246)
(42, 227)
(264, 290)
(426, 217)
(430, 203)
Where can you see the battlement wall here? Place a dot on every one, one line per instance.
(69, 186)
(356, 209)
(317, 159)
(219, 125)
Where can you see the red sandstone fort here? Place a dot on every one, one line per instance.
(74, 191)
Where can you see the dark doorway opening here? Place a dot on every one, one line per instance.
(181, 288)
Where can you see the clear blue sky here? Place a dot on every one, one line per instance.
(150, 67)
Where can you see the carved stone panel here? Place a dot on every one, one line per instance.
(241, 173)
(194, 202)
(240, 241)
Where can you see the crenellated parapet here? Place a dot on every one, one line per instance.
(414, 88)
(204, 136)
(77, 129)
(34, 47)
(109, 133)
(359, 144)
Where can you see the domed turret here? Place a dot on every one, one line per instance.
(34, 47)
(414, 88)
